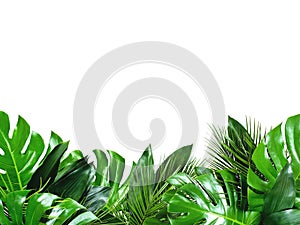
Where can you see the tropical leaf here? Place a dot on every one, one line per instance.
(96, 198)
(70, 178)
(210, 199)
(140, 195)
(75, 181)
(282, 195)
(69, 158)
(145, 197)
(17, 208)
(47, 171)
(141, 188)
(109, 173)
(280, 147)
(286, 217)
(232, 148)
(21, 154)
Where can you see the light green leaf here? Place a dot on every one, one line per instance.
(21, 154)
(41, 208)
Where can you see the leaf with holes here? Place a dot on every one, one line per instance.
(22, 154)
(208, 200)
(21, 208)
(270, 157)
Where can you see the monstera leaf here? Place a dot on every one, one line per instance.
(17, 208)
(208, 200)
(271, 158)
(21, 154)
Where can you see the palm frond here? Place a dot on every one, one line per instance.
(232, 147)
(147, 188)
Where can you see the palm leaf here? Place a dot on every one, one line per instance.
(140, 196)
(232, 148)
(145, 197)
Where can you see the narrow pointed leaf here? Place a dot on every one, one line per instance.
(47, 172)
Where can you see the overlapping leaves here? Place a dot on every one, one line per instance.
(254, 180)
(21, 208)
(139, 197)
(21, 154)
(274, 181)
(209, 199)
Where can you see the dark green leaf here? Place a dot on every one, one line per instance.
(282, 195)
(286, 217)
(96, 198)
(69, 158)
(173, 163)
(74, 181)
(47, 172)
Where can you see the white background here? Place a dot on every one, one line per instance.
(251, 47)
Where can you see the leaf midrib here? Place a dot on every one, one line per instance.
(13, 160)
(218, 215)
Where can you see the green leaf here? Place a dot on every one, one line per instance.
(53, 142)
(232, 148)
(83, 219)
(69, 158)
(213, 201)
(75, 181)
(96, 198)
(282, 195)
(270, 157)
(286, 217)
(109, 173)
(292, 136)
(173, 163)
(21, 154)
(102, 175)
(47, 172)
(41, 208)
(141, 188)
(146, 197)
